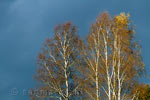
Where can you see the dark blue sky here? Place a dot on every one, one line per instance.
(24, 25)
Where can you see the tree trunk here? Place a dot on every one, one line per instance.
(97, 88)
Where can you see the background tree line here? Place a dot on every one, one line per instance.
(107, 66)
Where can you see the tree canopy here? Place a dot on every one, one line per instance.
(107, 66)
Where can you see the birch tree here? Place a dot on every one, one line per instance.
(113, 58)
(127, 62)
(57, 63)
(94, 55)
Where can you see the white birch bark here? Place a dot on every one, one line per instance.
(114, 65)
(106, 64)
(119, 65)
(65, 66)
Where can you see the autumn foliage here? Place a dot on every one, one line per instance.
(107, 66)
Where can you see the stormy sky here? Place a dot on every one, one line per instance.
(24, 25)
